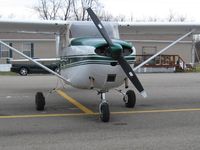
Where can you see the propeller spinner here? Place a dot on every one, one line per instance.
(116, 53)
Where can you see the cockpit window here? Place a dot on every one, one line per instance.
(88, 29)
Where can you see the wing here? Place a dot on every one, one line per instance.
(173, 28)
(32, 26)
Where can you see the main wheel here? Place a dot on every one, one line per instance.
(130, 99)
(39, 101)
(23, 71)
(104, 112)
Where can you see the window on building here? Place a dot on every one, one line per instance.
(5, 54)
(5, 51)
(28, 49)
(147, 52)
(27, 53)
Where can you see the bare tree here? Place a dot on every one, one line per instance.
(120, 18)
(105, 16)
(79, 10)
(74, 10)
(153, 19)
(65, 9)
(48, 9)
(171, 16)
(181, 18)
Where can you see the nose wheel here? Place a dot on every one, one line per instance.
(104, 112)
(104, 109)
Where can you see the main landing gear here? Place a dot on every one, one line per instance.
(129, 99)
(39, 101)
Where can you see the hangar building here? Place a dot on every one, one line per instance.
(44, 45)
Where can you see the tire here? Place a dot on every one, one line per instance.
(39, 101)
(105, 112)
(57, 70)
(131, 99)
(23, 71)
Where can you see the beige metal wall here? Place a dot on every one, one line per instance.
(45, 49)
(184, 49)
(42, 48)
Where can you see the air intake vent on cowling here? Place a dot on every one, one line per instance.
(111, 77)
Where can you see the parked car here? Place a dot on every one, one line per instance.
(24, 66)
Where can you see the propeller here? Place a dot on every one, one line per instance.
(116, 53)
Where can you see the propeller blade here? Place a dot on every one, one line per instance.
(115, 49)
(132, 76)
(99, 26)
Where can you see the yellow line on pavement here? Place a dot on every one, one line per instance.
(157, 111)
(74, 102)
(113, 113)
(41, 115)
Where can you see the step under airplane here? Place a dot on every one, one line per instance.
(93, 57)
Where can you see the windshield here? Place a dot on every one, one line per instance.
(88, 29)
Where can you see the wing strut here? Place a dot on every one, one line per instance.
(35, 62)
(164, 49)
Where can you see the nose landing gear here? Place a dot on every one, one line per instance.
(129, 99)
(104, 109)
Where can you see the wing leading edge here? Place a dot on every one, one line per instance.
(32, 26)
(167, 28)
(133, 27)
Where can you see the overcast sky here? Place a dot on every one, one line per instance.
(154, 8)
(139, 9)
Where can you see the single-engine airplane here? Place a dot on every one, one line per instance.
(95, 58)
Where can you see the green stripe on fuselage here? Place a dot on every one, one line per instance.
(72, 61)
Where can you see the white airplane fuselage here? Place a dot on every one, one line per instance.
(84, 69)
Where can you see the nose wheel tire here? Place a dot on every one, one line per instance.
(104, 112)
(130, 99)
(39, 101)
